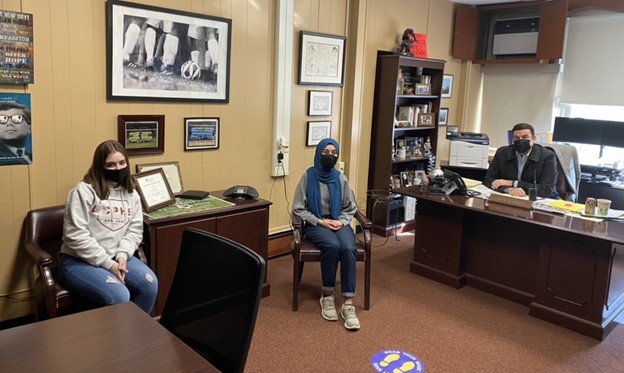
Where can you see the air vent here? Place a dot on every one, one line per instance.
(515, 37)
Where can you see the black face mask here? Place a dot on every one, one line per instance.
(116, 176)
(522, 146)
(328, 161)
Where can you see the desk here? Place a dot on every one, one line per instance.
(247, 222)
(567, 270)
(115, 338)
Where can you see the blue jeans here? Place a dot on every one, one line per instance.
(336, 246)
(103, 287)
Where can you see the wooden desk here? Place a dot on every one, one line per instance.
(115, 338)
(247, 222)
(567, 270)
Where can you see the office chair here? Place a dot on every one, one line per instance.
(214, 298)
(305, 251)
(568, 171)
(43, 239)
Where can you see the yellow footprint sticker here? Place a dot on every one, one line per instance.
(394, 361)
(388, 359)
(406, 367)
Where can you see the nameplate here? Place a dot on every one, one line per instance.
(521, 202)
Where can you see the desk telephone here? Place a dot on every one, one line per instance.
(241, 191)
(451, 182)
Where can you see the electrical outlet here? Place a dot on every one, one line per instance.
(340, 166)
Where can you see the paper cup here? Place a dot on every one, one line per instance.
(602, 206)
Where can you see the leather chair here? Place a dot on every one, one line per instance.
(43, 239)
(214, 298)
(568, 171)
(305, 251)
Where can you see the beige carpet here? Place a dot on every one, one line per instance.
(449, 330)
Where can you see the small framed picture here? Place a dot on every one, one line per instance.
(426, 119)
(142, 134)
(153, 189)
(422, 89)
(172, 173)
(420, 177)
(443, 116)
(201, 133)
(400, 143)
(447, 86)
(317, 131)
(404, 175)
(319, 103)
(396, 181)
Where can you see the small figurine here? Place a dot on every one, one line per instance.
(427, 146)
(406, 42)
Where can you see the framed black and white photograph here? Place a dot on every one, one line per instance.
(405, 182)
(420, 177)
(201, 133)
(317, 131)
(319, 103)
(321, 59)
(142, 134)
(443, 117)
(447, 86)
(156, 53)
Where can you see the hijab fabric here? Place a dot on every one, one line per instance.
(330, 177)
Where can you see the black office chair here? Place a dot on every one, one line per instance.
(214, 298)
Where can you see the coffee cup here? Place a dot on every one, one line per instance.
(603, 206)
(400, 153)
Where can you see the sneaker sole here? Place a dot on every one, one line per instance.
(325, 317)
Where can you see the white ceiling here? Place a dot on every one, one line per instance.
(484, 2)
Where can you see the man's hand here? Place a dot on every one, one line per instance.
(516, 192)
(331, 224)
(501, 182)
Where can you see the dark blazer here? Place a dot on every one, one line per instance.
(541, 168)
(8, 158)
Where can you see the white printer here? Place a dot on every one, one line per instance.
(469, 149)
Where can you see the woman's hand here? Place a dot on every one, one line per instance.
(119, 269)
(331, 224)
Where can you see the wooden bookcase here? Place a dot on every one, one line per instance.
(387, 213)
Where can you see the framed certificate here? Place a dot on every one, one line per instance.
(171, 170)
(154, 189)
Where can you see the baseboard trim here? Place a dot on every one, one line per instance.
(279, 244)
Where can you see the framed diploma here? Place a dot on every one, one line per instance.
(154, 189)
(172, 172)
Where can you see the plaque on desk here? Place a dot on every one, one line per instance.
(511, 201)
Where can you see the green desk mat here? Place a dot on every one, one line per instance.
(186, 206)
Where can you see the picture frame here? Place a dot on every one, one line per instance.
(426, 119)
(319, 103)
(422, 89)
(153, 189)
(141, 134)
(420, 177)
(172, 173)
(443, 117)
(447, 86)
(317, 131)
(400, 143)
(201, 133)
(321, 59)
(17, 46)
(136, 76)
(404, 177)
(396, 181)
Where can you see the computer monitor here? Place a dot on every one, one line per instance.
(613, 134)
(578, 130)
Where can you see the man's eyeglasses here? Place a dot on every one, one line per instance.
(326, 152)
(16, 118)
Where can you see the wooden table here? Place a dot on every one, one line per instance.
(567, 270)
(108, 339)
(246, 222)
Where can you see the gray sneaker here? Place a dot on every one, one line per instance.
(328, 308)
(348, 314)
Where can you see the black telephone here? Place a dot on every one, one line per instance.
(454, 183)
(241, 191)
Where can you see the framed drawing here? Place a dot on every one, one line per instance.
(142, 134)
(134, 32)
(201, 133)
(426, 120)
(447, 86)
(172, 173)
(154, 189)
(321, 59)
(443, 117)
(317, 131)
(319, 103)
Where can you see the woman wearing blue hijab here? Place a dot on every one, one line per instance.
(324, 201)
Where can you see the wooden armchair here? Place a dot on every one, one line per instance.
(43, 240)
(305, 251)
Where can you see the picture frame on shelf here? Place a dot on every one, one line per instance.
(420, 177)
(317, 131)
(134, 77)
(172, 173)
(404, 179)
(422, 89)
(321, 59)
(201, 133)
(153, 189)
(319, 103)
(396, 181)
(447, 86)
(426, 120)
(443, 117)
(141, 134)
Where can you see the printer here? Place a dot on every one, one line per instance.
(469, 149)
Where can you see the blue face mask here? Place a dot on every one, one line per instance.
(116, 176)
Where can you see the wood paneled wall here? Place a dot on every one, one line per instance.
(71, 114)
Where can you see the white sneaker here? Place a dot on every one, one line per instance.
(328, 308)
(348, 314)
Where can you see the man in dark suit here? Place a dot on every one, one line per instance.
(14, 130)
(523, 165)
